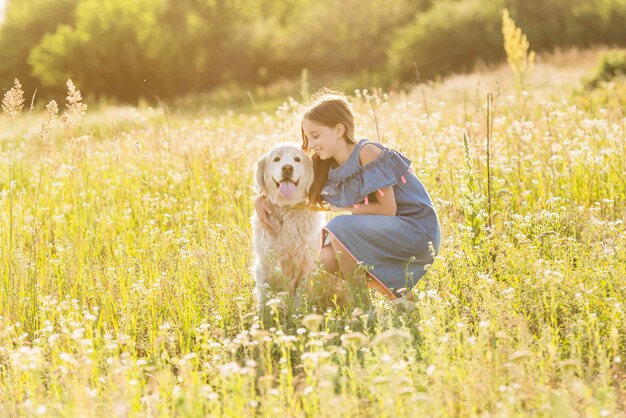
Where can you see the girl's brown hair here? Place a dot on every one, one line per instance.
(328, 108)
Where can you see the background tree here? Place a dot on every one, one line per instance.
(165, 48)
(25, 24)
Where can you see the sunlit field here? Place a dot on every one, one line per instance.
(126, 253)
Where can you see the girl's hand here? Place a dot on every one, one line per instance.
(263, 212)
(337, 209)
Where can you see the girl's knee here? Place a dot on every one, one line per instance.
(328, 260)
(335, 245)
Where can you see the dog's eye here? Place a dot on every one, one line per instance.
(277, 159)
(297, 159)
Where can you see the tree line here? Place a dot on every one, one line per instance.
(124, 49)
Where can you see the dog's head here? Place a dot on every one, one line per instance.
(285, 174)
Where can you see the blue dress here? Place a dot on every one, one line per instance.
(394, 249)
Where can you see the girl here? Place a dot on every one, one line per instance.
(396, 230)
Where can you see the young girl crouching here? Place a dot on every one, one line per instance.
(393, 230)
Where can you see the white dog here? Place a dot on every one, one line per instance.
(285, 175)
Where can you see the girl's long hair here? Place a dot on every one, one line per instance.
(328, 109)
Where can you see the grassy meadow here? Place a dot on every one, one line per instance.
(125, 273)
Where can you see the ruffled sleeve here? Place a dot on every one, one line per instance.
(386, 170)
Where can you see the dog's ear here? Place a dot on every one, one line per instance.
(258, 176)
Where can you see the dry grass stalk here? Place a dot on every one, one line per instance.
(48, 123)
(13, 101)
(71, 118)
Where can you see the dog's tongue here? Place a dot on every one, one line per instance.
(287, 189)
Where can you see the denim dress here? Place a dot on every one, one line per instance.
(393, 249)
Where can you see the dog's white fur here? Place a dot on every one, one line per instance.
(284, 261)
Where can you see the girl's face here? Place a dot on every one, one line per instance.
(323, 140)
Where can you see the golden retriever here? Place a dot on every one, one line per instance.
(285, 175)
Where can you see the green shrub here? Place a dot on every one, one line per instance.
(24, 25)
(608, 95)
(449, 37)
(612, 64)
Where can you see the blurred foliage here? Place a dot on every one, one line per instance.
(450, 36)
(26, 22)
(168, 48)
(606, 86)
(606, 95)
(113, 47)
(612, 64)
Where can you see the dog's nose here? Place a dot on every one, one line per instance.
(287, 169)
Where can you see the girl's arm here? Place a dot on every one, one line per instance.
(386, 204)
(263, 211)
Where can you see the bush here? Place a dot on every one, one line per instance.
(146, 48)
(449, 37)
(110, 49)
(609, 95)
(612, 64)
(557, 23)
(25, 23)
(359, 40)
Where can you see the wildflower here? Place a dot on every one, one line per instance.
(312, 322)
(67, 358)
(353, 340)
(288, 340)
(276, 304)
(230, 368)
(392, 337)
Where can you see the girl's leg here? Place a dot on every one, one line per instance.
(354, 278)
(328, 259)
(347, 267)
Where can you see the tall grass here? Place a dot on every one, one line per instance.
(127, 288)
(516, 47)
